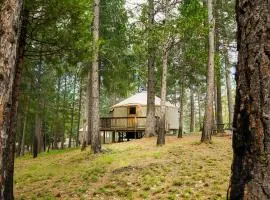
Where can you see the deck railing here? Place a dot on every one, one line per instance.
(124, 123)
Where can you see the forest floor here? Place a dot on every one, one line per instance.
(182, 169)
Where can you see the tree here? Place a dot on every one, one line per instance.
(10, 16)
(38, 136)
(207, 124)
(88, 134)
(225, 38)
(218, 94)
(251, 137)
(95, 133)
(181, 110)
(57, 32)
(229, 88)
(162, 129)
(79, 113)
(15, 98)
(150, 117)
(199, 108)
(219, 27)
(24, 128)
(192, 110)
(72, 112)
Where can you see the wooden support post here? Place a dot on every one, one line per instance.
(104, 137)
(127, 136)
(113, 137)
(119, 137)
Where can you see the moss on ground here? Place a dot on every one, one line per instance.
(182, 169)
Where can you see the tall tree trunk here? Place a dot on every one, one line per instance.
(207, 126)
(79, 114)
(43, 128)
(219, 113)
(24, 127)
(19, 125)
(215, 110)
(251, 136)
(192, 111)
(95, 133)
(14, 106)
(64, 114)
(219, 107)
(72, 112)
(229, 88)
(181, 110)
(11, 63)
(38, 138)
(57, 125)
(199, 108)
(150, 118)
(162, 128)
(37, 146)
(88, 134)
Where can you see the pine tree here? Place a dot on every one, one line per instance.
(208, 116)
(10, 17)
(251, 137)
(95, 133)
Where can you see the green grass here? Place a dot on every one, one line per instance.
(182, 169)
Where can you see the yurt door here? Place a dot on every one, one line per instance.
(132, 113)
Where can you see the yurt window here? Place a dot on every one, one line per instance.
(132, 110)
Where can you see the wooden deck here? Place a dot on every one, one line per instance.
(124, 124)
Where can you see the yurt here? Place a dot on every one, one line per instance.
(134, 109)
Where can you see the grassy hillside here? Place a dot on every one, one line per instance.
(183, 169)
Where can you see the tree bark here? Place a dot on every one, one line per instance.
(95, 133)
(37, 146)
(57, 125)
(215, 111)
(229, 88)
(38, 138)
(251, 136)
(72, 112)
(10, 14)
(219, 105)
(24, 127)
(15, 98)
(192, 111)
(89, 109)
(150, 117)
(207, 125)
(64, 114)
(162, 128)
(181, 111)
(79, 114)
(219, 113)
(199, 108)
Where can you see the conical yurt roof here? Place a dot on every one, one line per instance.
(140, 99)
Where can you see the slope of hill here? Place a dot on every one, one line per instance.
(183, 169)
